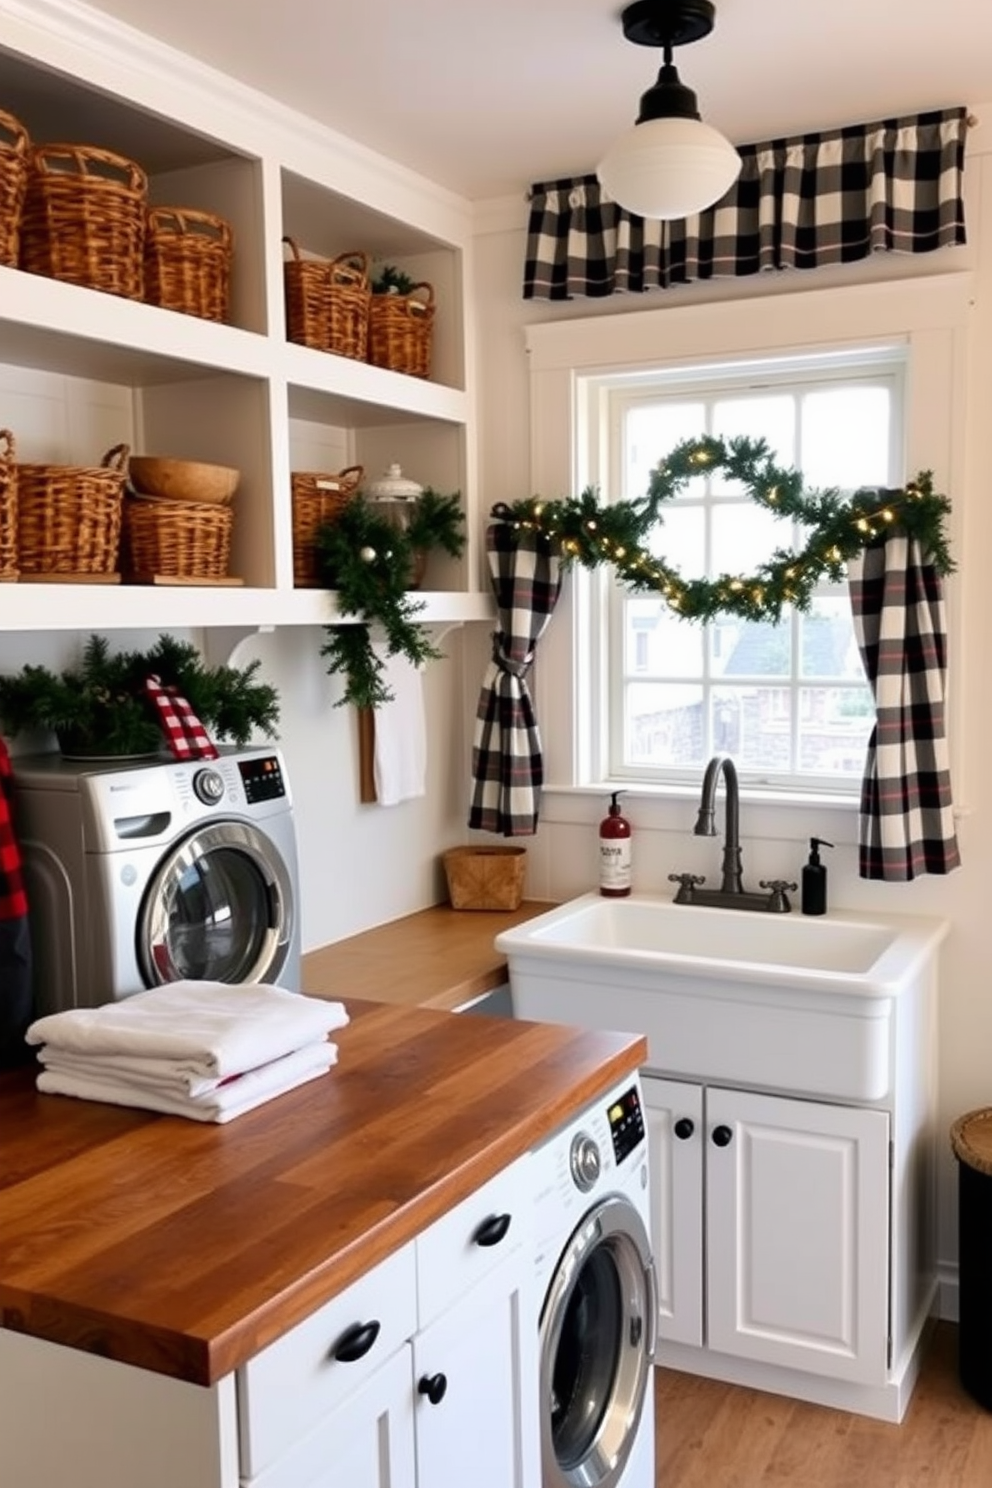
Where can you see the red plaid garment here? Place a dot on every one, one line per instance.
(184, 733)
(13, 899)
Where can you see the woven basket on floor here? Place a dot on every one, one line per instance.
(176, 539)
(188, 257)
(401, 331)
(485, 877)
(84, 218)
(69, 516)
(317, 498)
(8, 507)
(14, 147)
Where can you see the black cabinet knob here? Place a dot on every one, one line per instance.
(433, 1386)
(684, 1128)
(722, 1136)
(355, 1342)
(492, 1230)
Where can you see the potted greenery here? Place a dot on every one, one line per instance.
(102, 707)
(371, 562)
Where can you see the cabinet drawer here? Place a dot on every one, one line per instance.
(471, 1239)
(286, 1389)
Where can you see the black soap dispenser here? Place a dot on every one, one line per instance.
(815, 879)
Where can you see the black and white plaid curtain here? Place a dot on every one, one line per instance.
(906, 824)
(507, 766)
(894, 186)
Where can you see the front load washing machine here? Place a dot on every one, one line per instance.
(153, 871)
(596, 1276)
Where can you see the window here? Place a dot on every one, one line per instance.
(788, 701)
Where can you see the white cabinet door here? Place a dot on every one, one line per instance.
(675, 1145)
(367, 1442)
(476, 1386)
(798, 1233)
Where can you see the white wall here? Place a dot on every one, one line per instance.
(562, 858)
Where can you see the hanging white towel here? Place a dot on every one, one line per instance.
(228, 1099)
(400, 760)
(213, 1029)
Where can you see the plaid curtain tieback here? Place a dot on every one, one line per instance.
(509, 665)
(184, 733)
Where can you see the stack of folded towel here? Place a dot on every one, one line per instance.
(207, 1050)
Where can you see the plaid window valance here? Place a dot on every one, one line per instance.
(894, 186)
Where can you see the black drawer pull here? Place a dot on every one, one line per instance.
(355, 1342)
(491, 1231)
(722, 1136)
(434, 1387)
(684, 1128)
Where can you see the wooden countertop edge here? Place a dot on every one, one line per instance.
(520, 1087)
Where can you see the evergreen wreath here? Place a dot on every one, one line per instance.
(838, 527)
(370, 563)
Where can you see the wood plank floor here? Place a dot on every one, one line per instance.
(711, 1435)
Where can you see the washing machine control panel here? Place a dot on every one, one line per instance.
(262, 779)
(584, 1161)
(208, 787)
(626, 1123)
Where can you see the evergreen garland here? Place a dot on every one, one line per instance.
(838, 527)
(370, 563)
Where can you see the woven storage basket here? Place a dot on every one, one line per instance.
(69, 516)
(176, 539)
(349, 291)
(316, 499)
(8, 507)
(485, 877)
(308, 305)
(14, 147)
(84, 218)
(188, 257)
(401, 331)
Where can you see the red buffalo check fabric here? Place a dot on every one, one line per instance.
(184, 733)
(15, 948)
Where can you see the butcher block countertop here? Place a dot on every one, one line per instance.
(439, 957)
(184, 1248)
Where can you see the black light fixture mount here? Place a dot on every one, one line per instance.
(670, 164)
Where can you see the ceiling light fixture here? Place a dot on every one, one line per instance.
(669, 164)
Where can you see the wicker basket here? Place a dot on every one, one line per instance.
(485, 877)
(176, 539)
(69, 516)
(307, 301)
(14, 147)
(316, 499)
(8, 507)
(401, 331)
(188, 257)
(84, 218)
(349, 291)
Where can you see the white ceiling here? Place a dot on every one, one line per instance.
(488, 98)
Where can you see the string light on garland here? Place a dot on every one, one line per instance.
(837, 528)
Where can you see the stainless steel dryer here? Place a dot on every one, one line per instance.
(596, 1275)
(149, 872)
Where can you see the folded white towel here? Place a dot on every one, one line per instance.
(229, 1099)
(400, 758)
(169, 1076)
(212, 1029)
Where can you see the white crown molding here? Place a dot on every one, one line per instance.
(77, 39)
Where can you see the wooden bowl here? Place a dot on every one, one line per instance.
(183, 480)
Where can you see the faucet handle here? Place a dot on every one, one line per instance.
(687, 882)
(780, 889)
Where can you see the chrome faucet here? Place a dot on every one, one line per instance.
(732, 893)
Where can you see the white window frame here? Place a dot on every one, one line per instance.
(928, 316)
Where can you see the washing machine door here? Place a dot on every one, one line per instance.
(597, 1342)
(218, 908)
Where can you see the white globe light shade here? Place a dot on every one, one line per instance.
(669, 168)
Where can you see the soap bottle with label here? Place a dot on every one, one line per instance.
(814, 890)
(614, 852)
